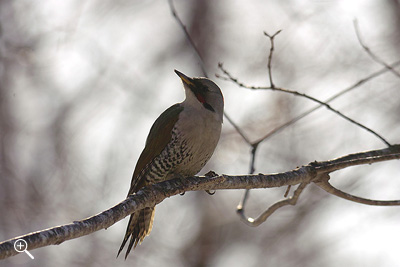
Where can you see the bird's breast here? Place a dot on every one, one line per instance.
(198, 134)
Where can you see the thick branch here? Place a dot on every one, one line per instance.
(152, 195)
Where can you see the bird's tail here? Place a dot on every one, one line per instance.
(139, 226)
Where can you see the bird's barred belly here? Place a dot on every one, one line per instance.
(178, 159)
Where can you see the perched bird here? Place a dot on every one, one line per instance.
(179, 144)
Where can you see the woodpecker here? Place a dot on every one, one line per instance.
(180, 142)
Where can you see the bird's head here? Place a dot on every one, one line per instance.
(203, 93)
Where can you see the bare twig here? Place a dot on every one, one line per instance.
(253, 158)
(241, 133)
(188, 37)
(242, 203)
(271, 51)
(287, 191)
(337, 95)
(322, 103)
(265, 215)
(369, 52)
(324, 184)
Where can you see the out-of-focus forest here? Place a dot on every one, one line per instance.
(81, 83)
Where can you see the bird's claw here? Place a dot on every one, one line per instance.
(210, 174)
(210, 192)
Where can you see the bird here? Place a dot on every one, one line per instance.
(180, 142)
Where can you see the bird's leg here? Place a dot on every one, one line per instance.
(210, 174)
(182, 178)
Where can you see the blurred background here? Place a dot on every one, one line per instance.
(81, 83)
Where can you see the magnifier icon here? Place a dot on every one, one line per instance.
(21, 246)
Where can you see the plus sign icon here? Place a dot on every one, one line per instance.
(21, 246)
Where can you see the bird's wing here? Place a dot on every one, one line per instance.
(158, 138)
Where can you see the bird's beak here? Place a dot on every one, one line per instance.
(186, 80)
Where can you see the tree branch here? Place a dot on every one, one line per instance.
(152, 195)
(342, 92)
(265, 215)
(241, 133)
(187, 35)
(370, 53)
(271, 51)
(322, 103)
(324, 184)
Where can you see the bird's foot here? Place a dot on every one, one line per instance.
(210, 174)
(210, 192)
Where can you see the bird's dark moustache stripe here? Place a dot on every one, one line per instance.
(209, 107)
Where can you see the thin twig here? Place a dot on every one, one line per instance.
(369, 52)
(241, 133)
(271, 51)
(242, 203)
(265, 215)
(252, 168)
(337, 95)
(325, 185)
(175, 14)
(322, 103)
(287, 191)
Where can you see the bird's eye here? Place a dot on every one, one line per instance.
(205, 88)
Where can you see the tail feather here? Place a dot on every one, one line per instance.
(139, 226)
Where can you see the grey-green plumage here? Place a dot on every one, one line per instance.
(180, 142)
